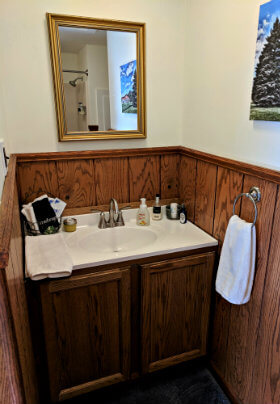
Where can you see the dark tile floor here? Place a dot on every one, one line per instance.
(189, 384)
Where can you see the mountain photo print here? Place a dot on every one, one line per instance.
(129, 88)
(265, 104)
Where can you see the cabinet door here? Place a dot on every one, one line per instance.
(87, 331)
(175, 310)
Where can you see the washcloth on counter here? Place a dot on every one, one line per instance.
(237, 263)
(47, 257)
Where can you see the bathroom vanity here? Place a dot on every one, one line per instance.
(131, 310)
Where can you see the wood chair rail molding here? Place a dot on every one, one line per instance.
(96, 154)
(6, 212)
(242, 167)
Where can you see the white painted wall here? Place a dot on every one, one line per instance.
(219, 66)
(26, 76)
(200, 100)
(121, 50)
(70, 61)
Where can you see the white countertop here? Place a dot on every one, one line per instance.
(90, 246)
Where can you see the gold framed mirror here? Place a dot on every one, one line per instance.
(99, 77)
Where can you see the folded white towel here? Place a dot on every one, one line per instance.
(237, 263)
(47, 257)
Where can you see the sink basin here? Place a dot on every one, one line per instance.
(90, 246)
(117, 239)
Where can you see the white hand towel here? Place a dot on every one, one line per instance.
(237, 263)
(47, 257)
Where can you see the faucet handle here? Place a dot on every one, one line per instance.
(119, 221)
(102, 221)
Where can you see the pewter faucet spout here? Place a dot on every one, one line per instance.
(112, 212)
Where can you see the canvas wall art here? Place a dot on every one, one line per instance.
(129, 88)
(265, 104)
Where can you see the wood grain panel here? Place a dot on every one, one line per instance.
(170, 176)
(175, 310)
(17, 374)
(111, 180)
(102, 310)
(36, 179)
(187, 184)
(242, 167)
(239, 166)
(144, 177)
(6, 212)
(265, 373)
(205, 196)
(11, 391)
(244, 320)
(76, 182)
(229, 186)
(83, 358)
(18, 302)
(98, 154)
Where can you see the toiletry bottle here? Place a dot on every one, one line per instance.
(157, 214)
(143, 216)
(183, 214)
(174, 210)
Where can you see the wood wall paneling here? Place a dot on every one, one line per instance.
(17, 373)
(229, 185)
(244, 320)
(11, 391)
(37, 178)
(6, 212)
(187, 182)
(241, 167)
(18, 302)
(76, 182)
(111, 180)
(205, 195)
(170, 176)
(144, 177)
(265, 372)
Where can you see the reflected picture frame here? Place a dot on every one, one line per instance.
(57, 20)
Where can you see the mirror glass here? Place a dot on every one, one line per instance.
(99, 79)
(98, 69)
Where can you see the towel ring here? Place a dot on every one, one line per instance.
(255, 196)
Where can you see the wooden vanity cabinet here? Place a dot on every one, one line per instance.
(175, 310)
(91, 321)
(87, 331)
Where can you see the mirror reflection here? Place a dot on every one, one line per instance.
(99, 79)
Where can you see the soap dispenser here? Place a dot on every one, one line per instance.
(143, 216)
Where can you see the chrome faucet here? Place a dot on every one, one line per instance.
(112, 212)
(115, 216)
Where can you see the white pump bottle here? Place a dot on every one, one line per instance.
(143, 215)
